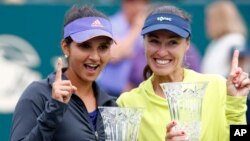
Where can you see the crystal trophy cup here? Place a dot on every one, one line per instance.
(185, 105)
(120, 123)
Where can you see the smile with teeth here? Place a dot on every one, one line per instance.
(162, 62)
(91, 66)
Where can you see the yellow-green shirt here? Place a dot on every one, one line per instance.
(218, 111)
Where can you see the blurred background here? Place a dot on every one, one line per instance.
(31, 31)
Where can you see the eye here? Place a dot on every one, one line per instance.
(104, 47)
(84, 46)
(154, 41)
(172, 43)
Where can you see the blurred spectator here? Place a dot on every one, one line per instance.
(193, 58)
(127, 24)
(244, 59)
(227, 30)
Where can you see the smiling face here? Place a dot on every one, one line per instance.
(165, 52)
(86, 60)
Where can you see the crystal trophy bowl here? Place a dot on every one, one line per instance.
(185, 105)
(120, 123)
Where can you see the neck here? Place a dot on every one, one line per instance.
(177, 76)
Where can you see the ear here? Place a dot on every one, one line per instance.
(65, 47)
(188, 45)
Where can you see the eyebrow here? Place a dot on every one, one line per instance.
(102, 43)
(152, 35)
(106, 43)
(109, 41)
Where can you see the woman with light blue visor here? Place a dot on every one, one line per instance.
(63, 107)
(166, 34)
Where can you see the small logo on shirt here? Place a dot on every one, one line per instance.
(164, 19)
(97, 23)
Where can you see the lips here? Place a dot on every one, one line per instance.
(162, 61)
(91, 66)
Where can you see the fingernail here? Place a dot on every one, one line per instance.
(173, 122)
(237, 72)
(236, 85)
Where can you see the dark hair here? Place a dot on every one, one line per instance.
(147, 72)
(79, 12)
(172, 10)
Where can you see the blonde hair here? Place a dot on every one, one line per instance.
(226, 18)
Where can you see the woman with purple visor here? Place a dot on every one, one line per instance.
(63, 107)
(166, 33)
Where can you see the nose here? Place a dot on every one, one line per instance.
(94, 55)
(162, 51)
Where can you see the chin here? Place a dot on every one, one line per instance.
(162, 72)
(91, 78)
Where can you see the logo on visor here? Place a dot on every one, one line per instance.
(97, 23)
(164, 19)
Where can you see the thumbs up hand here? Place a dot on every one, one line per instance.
(238, 83)
(61, 89)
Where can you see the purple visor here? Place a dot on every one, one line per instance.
(83, 29)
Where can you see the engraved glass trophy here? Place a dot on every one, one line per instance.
(185, 105)
(120, 123)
